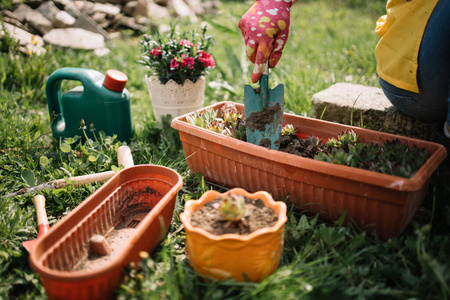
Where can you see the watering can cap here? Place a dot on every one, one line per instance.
(115, 80)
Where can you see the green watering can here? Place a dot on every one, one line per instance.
(101, 100)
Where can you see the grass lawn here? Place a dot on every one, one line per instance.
(331, 41)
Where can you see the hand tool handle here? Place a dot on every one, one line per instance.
(124, 157)
(264, 86)
(39, 204)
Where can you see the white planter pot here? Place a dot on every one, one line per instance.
(173, 98)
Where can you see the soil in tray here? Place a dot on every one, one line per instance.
(209, 218)
(118, 239)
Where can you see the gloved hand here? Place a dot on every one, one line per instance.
(265, 27)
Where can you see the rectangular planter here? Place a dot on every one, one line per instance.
(146, 191)
(376, 202)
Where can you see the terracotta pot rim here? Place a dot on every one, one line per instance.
(193, 205)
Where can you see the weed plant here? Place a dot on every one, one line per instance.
(331, 41)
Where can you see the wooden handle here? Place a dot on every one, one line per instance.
(124, 156)
(39, 204)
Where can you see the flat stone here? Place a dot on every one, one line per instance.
(368, 107)
(63, 20)
(27, 41)
(37, 21)
(157, 12)
(183, 10)
(85, 22)
(48, 10)
(75, 38)
(108, 9)
(22, 11)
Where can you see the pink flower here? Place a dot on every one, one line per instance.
(174, 63)
(186, 43)
(155, 51)
(207, 59)
(187, 61)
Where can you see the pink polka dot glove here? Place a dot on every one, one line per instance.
(265, 27)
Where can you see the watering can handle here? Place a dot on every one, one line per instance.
(53, 89)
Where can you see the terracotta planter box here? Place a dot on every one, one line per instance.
(375, 202)
(140, 200)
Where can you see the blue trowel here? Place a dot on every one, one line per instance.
(264, 112)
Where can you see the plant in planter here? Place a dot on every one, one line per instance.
(392, 157)
(234, 235)
(375, 202)
(178, 62)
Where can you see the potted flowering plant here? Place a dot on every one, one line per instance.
(178, 62)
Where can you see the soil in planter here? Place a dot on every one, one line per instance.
(118, 239)
(392, 157)
(209, 218)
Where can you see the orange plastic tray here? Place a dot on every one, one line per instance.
(373, 201)
(148, 190)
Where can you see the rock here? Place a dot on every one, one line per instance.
(63, 20)
(196, 6)
(101, 17)
(71, 9)
(109, 9)
(38, 22)
(183, 10)
(157, 12)
(85, 22)
(360, 105)
(27, 41)
(48, 9)
(67, 6)
(75, 38)
(11, 18)
(22, 11)
(87, 8)
(131, 23)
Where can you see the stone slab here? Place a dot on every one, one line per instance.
(368, 107)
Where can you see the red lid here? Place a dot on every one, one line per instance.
(115, 80)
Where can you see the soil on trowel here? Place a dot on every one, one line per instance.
(209, 218)
(259, 119)
(118, 240)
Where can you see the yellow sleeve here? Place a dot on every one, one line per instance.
(380, 28)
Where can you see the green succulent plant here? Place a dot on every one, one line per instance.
(233, 208)
(237, 130)
(337, 156)
(202, 119)
(216, 126)
(288, 129)
(347, 137)
(231, 115)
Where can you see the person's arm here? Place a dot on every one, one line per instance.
(265, 27)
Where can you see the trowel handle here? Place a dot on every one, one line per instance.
(264, 86)
(266, 68)
(39, 204)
